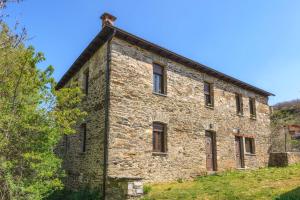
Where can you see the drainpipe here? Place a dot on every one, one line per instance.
(106, 105)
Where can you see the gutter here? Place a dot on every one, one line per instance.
(106, 106)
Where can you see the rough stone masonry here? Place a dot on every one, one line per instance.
(119, 138)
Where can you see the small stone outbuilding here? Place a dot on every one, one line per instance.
(285, 146)
(156, 116)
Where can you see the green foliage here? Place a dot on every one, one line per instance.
(265, 184)
(285, 117)
(33, 119)
(147, 189)
(287, 113)
(179, 180)
(85, 194)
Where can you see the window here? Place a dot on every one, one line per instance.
(208, 93)
(83, 137)
(239, 104)
(159, 137)
(66, 143)
(250, 145)
(295, 135)
(86, 82)
(158, 79)
(252, 108)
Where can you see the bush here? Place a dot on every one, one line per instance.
(180, 180)
(85, 194)
(147, 189)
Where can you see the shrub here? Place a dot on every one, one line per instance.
(147, 189)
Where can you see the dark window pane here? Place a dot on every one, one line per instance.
(158, 79)
(207, 100)
(83, 127)
(249, 145)
(206, 88)
(252, 107)
(66, 143)
(208, 93)
(239, 104)
(158, 83)
(158, 127)
(86, 82)
(157, 69)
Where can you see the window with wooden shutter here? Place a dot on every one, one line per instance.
(159, 137)
(250, 145)
(208, 94)
(67, 143)
(83, 139)
(86, 75)
(158, 79)
(252, 107)
(239, 104)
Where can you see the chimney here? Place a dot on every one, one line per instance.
(107, 19)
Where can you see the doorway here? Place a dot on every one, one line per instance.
(239, 149)
(210, 146)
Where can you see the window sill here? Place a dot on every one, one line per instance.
(253, 117)
(250, 154)
(159, 154)
(160, 94)
(209, 107)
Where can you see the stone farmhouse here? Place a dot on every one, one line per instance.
(156, 116)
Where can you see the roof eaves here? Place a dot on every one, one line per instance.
(186, 61)
(107, 30)
(94, 45)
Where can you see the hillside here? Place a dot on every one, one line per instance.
(286, 113)
(263, 184)
(291, 105)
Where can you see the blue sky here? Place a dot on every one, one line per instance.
(253, 40)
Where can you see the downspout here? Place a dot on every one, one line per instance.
(106, 105)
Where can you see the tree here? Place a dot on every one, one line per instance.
(33, 119)
(3, 3)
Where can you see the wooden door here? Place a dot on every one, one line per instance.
(239, 152)
(210, 151)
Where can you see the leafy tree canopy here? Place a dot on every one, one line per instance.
(33, 119)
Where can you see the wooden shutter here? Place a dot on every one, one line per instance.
(159, 137)
(208, 94)
(83, 128)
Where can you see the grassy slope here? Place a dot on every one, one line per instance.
(268, 183)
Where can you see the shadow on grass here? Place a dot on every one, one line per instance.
(291, 195)
(84, 194)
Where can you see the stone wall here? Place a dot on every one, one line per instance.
(121, 188)
(282, 141)
(284, 159)
(133, 108)
(85, 169)
(278, 140)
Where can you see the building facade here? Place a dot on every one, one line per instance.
(156, 116)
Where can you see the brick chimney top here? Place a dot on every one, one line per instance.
(107, 19)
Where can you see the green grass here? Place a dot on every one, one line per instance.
(264, 184)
